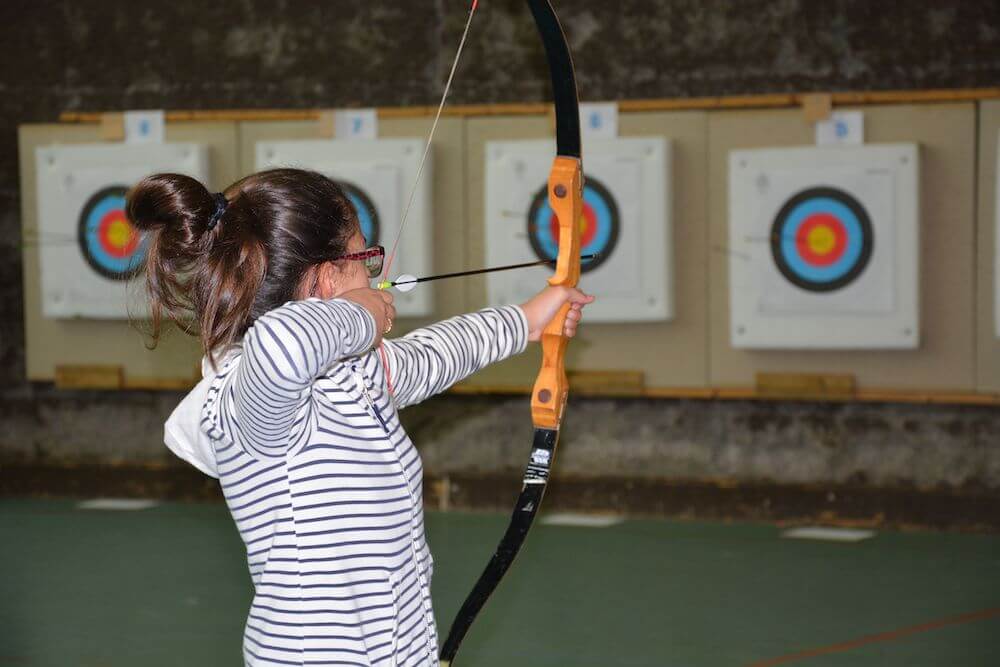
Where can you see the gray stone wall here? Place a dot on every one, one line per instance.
(914, 446)
(738, 441)
(105, 55)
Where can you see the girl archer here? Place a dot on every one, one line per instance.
(297, 413)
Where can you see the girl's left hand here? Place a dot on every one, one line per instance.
(541, 308)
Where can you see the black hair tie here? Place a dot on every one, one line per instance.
(220, 208)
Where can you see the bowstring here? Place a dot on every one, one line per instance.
(416, 181)
(427, 146)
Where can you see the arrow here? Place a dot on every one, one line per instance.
(405, 283)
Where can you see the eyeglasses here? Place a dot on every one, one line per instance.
(372, 257)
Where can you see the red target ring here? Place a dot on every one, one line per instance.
(821, 239)
(588, 225)
(116, 235)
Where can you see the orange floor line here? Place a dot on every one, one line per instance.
(881, 637)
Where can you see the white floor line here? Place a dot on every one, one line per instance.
(127, 504)
(581, 520)
(829, 534)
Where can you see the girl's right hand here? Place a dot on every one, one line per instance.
(378, 303)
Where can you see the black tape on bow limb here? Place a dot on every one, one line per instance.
(525, 509)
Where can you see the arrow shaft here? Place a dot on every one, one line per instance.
(508, 267)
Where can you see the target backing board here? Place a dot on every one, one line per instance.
(824, 247)
(996, 247)
(377, 176)
(88, 250)
(626, 219)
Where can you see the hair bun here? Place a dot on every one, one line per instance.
(172, 202)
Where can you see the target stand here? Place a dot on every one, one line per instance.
(823, 248)
(89, 252)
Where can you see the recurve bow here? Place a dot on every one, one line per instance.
(551, 389)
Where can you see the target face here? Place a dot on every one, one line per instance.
(367, 213)
(822, 239)
(108, 241)
(598, 227)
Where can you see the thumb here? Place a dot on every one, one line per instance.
(578, 297)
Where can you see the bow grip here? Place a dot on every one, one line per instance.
(566, 199)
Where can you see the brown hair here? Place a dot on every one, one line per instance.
(277, 227)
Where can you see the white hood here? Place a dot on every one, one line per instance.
(183, 432)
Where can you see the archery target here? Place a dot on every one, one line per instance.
(367, 213)
(109, 243)
(598, 227)
(821, 239)
(89, 252)
(626, 218)
(377, 176)
(824, 247)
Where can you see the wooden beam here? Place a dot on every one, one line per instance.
(805, 385)
(817, 107)
(907, 396)
(610, 384)
(89, 376)
(158, 384)
(112, 126)
(765, 101)
(606, 383)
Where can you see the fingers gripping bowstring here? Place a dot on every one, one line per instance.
(427, 145)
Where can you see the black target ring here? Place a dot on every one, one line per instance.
(108, 241)
(842, 219)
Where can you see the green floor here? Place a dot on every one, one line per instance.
(168, 586)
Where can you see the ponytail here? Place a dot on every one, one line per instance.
(223, 260)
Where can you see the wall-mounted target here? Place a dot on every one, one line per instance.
(625, 217)
(599, 231)
(110, 244)
(825, 249)
(367, 213)
(822, 239)
(94, 248)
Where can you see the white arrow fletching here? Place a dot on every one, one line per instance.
(405, 283)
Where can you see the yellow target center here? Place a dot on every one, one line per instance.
(821, 240)
(120, 232)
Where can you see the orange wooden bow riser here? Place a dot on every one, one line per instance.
(566, 199)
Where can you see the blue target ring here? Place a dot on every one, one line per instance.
(822, 239)
(110, 244)
(367, 213)
(600, 225)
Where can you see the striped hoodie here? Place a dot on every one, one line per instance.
(325, 486)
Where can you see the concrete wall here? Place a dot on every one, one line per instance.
(914, 446)
(180, 54)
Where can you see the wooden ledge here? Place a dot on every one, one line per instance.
(765, 101)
